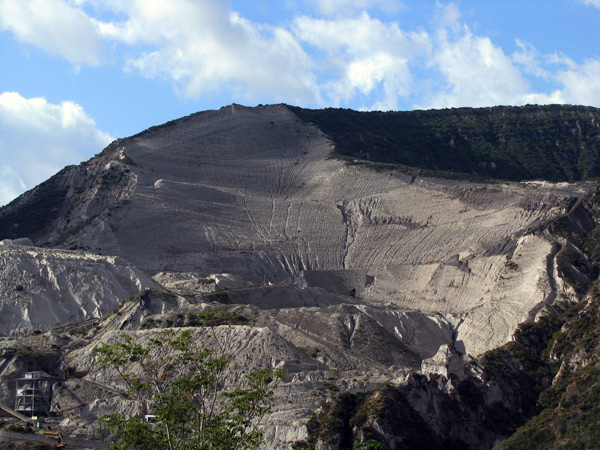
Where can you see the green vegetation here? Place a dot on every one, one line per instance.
(17, 428)
(210, 318)
(570, 407)
(510, 264)
(332, 424)
(378, 419)
(214, 318)
(521, 371)
(80, 330)
(555, 143)
(592, 244)
(178, 382)
(371, 444)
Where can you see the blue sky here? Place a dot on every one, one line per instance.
(76, 74)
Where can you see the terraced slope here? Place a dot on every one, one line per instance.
(342, 273)
(251, 191)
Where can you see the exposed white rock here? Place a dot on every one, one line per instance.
(40, 287)
(185, 283)
(227, 281)
(345, 276)
(21, 241)
(250, 192)
(445, 362)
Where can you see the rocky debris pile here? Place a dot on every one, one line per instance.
(191, 284)
(41, 287)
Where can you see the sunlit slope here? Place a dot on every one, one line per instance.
(251, 191)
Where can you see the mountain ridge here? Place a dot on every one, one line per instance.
(352, 278)
(253, 192)
(553, 143)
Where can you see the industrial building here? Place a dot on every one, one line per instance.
(34, 393)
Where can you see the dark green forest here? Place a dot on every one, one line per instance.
(554, 143)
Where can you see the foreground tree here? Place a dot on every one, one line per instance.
(179, 385)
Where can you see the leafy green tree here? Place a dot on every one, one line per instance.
(371, 444)
(180, 384)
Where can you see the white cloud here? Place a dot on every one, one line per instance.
(447, 17)
(477, 73)
(54, 26)
(38, 138)
(530, 59)
(365, 56)
(351, 57)
(595, 3)
(202, 46)
(360, 35)
(577, 83)
(581, 83)
(540, 98)
(11, 184)
(347, 7)
(348, 58)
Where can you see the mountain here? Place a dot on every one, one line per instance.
(359, 249)
(43, 286)
(555, 142)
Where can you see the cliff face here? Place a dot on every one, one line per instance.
(548, 373)
(41, 286)
(69, 200)
(348, 277)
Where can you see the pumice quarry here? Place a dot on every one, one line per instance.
(424, 279)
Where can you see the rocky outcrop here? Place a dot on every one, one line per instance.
(70, 200)
(446, 362)
(470, 404)
(192, 284)
(40, 287)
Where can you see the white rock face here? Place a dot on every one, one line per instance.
(21, 241)
(250, 348)
(250, 192)
(40, 287)
(445, 362)
(346, 277)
